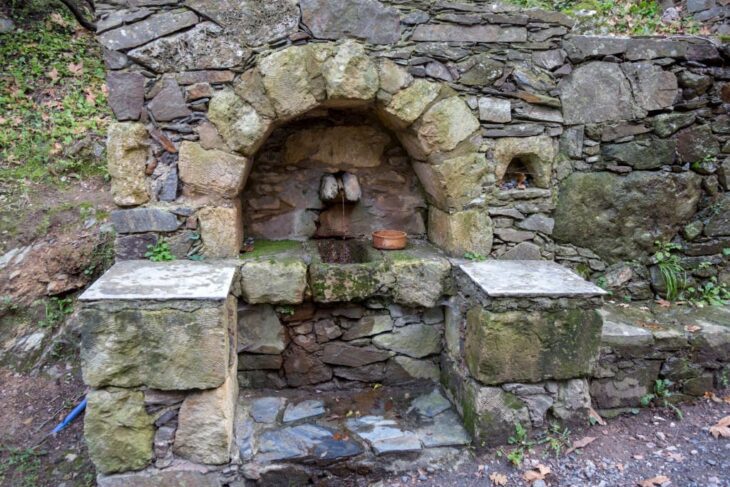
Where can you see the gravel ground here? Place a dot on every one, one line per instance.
(625, 452)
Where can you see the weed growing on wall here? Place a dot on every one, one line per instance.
(160, 252)
(670, 268)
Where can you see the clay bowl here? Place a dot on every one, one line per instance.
(389, 240)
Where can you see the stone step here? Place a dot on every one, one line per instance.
(374, 428)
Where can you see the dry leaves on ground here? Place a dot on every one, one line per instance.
(714, 398)
(537, 473)
(693, 328)
(722, 428)
(498, 479)
(654, 481)
(582, 443)
(596, 417)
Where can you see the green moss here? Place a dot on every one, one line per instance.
(266, 248)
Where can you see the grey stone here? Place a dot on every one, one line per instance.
(126, 94)
(635, 210)
(6, 25)
(338, 353)
(666, 124)
(141, 220)
(571, 142)
(133, 247)
(655, 48)
(142, 279)
(266, 409)
(384, 435)
(718, 224)
(366, 373)
(446, 430)
(305, 442)
(415, 341)
(168, 188)
(251, 22)
(580, 48)
(538, 223)
(642, 153)
(528, 279)
(259, 330)
(248, 361)
(116, 18)
(549, 59)
(202, 47)
(480, 70)
(694, 6)
(309, 409)
(153, 27)
(437, 70)
(415, 17)
(652, 87)
(303, 368)
(369, 20)
(598, 92)
(542, 114)
(695, 143)
(431, 404)
(406, 369)
(495, 110)
(169, 103)
(512, 235)
(369, 326)
(154, 478)
(326, 330)
(515, 130)
(114, 59)
(474, 33)
(522, 251)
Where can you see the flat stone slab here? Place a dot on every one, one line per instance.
(266, 409)
(162, 281)
(305, 441)
(308, 409)
(446, 430)
(429, 405)
(384, 435)
(528, 279)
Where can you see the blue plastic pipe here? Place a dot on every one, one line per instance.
(71, 416)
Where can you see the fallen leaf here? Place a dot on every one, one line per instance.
(58, 19)
(53, 74)
(654, 481)
(693, 328)
(498, 478)
(582, 443)
(538, 473)
(722, 428)
(675, 457)
(163, 140)
(663, 303)
(596, 417)
(76, 68)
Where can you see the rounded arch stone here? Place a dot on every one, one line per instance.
(434, 125)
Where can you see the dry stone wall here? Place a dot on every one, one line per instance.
(587, 149)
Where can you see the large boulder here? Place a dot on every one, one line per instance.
(620, 217)
(118, 430)
(501, 347)
(127, 147)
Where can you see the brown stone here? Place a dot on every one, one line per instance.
(302, 368)
(127, 150)
(126, 94)
(461, 232)
(212, 171)
(338, 353)
(221, 230)
(341, 146)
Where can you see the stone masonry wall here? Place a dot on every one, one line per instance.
(594, 147)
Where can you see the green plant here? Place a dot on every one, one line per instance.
(7, 305)
(25, 464)
(557, 438)
(56, 309)
(285, 310)
(475, 256)
(726, 252)
(160, 252)
(670, 267)
(660, 396)
(710, 293)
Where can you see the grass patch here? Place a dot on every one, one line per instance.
(628, 17)
(270, 247)
(53, 107)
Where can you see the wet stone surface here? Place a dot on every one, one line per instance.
(350, 427)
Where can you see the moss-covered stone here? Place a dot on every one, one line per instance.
(174, 345)
(531, 346)
(331, 283)
(420, 276)
(118, 430)
(461, 232)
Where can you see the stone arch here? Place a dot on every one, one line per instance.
(434, 125)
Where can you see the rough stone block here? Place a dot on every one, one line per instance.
(141, 220)
(460, 232)
(626, 387)
(126, 94)
(221, 230)
(172, 477)
(341, 146)
(416, 341)
(501, 347)
(446, 124)
(420, 276)
(212, 171)
(171, 345)
(331, 283)
(260, 331)
(153, 27)
(280, 280)
(455, 182)
(205, 423)
(118, 430)
(127, 147)
(364, 19)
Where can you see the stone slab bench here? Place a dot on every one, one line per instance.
(522, 337)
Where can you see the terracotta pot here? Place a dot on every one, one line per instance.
(389, 240)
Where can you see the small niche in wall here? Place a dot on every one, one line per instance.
(521, 173)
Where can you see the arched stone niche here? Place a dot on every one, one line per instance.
(433, 124)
